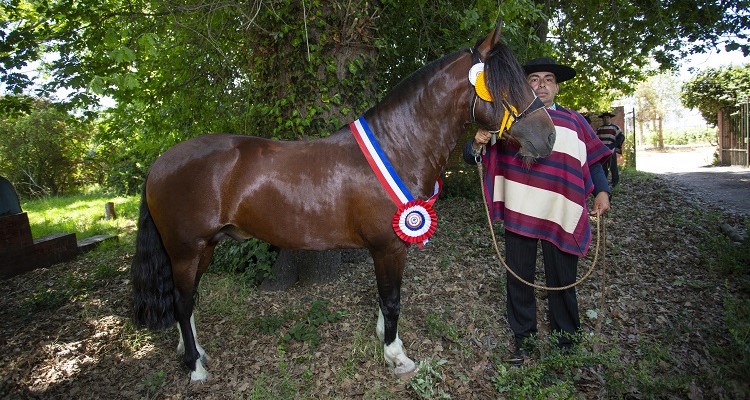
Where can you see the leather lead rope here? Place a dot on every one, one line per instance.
(600, 234)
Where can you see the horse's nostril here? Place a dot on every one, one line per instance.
(551, 139)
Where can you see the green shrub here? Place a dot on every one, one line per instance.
(685, 136)
(48, 152)
(737, 319)
(462, 183)
(252, 259)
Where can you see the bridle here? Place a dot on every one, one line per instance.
(510, 116)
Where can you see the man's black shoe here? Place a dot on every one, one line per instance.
(517, 358)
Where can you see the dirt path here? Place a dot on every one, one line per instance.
(690, 168)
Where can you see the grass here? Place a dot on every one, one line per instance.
(80, 214)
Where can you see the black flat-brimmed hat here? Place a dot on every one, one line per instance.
(606, 114)
(547, 64)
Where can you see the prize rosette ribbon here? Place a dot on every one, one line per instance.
(415, 221)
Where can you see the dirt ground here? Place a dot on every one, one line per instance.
(65, 331)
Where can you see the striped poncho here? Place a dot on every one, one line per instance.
(547, 199)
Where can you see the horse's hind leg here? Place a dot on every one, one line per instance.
(181, 345)
(186, 284)
(389, 268)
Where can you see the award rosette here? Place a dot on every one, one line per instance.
(415, 221)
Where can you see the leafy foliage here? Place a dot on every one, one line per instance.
(426, 384)
(553, 374)
(686, 136)
(714, 88)
(47, 152)
(737, 317)
(251, 259)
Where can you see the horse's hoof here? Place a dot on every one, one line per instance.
(200, 375)
(405, 368)
(406, 375)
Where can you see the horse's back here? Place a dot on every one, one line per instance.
(295, 194)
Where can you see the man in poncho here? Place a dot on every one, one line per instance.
(544, 201)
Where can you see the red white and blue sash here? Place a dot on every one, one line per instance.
(415, 220)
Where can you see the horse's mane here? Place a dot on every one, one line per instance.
(506, 79)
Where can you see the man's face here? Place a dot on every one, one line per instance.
(544, 85)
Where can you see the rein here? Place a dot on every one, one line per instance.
(600, 232)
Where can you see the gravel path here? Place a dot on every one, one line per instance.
(691, 169)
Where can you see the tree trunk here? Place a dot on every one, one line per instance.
(302, 266)
(661, 133)
(109, 210)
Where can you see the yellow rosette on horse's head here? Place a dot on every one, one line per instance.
(481, 88)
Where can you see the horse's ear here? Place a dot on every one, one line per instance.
(492, 39)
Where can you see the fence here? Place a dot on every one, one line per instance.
(734, 131)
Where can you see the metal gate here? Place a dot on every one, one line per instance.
(734, 131)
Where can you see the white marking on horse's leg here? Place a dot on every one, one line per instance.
(200, 374)
(396, 358)
(181, 344)
(380, 327)
(201, 351)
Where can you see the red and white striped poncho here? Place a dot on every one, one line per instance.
(547, 199)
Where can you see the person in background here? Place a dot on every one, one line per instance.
(612, 137)
(544, 202)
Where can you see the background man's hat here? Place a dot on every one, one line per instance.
(606, 114)
(547, 64)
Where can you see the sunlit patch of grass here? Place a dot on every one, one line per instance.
(364, 348)
(136, 341)
(633, 175)
(81, 214)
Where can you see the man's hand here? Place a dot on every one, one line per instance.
(601, 204)
(482, 137)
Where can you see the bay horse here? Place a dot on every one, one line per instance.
(319, 194)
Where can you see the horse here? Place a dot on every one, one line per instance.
(320, 194)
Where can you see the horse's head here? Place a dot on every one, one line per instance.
(505, 101)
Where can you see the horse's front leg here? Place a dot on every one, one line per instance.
(389, 269)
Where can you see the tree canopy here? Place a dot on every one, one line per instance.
(715, 88)
(301, 68)
(46, 152)
(612, 44)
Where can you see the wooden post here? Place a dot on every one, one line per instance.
(109, 210)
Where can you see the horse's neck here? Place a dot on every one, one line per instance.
(419, 124)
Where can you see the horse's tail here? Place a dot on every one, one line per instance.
(151, 275)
